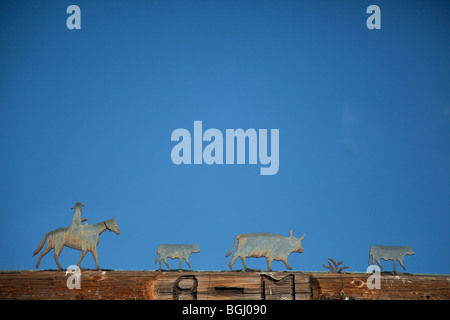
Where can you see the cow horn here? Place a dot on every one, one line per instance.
(290, 233)
(303, 237)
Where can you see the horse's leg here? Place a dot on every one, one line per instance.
(43, 253)
(95, 255)
(57, 251)
(83, 253)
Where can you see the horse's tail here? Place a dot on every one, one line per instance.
(234, 245)
(41, 244)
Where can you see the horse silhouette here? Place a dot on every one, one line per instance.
(83, 237)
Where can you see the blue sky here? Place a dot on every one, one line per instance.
(364, 120)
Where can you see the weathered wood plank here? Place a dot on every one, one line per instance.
(214, 285)
(392, 287)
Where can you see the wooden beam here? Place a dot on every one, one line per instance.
(218, 285)
(392, 287)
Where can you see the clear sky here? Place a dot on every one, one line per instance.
(363, 117)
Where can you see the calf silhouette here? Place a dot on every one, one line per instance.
(173, 251)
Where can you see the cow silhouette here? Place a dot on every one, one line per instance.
(269, 245)
(394, 253)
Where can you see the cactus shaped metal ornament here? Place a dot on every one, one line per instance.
(269, 245)
(394, 253)
(78, 236)
(175, 251)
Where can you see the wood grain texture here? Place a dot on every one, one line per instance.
(219, 285)
(392, 287)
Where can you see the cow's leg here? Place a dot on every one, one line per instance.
(286, 264)
(181, 261)
(187, 261)
(401, 263)
(378, 261)
(165, 261)
(243, 261)
(269, 264)
(395, 271)
(233, 259)
(83, 253)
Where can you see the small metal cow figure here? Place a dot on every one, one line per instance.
(270, 245)
(394, 253)
(174, 251)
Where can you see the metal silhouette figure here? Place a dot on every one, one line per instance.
(174, 251)
(394, 253)
(269, 245)
(78, 236)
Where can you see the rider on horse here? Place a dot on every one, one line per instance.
(76, 221)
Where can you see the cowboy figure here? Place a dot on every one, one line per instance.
(76, 221)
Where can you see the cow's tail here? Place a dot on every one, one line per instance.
(370, 255)
(234, 245)
(157, 253)
(41, 244)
